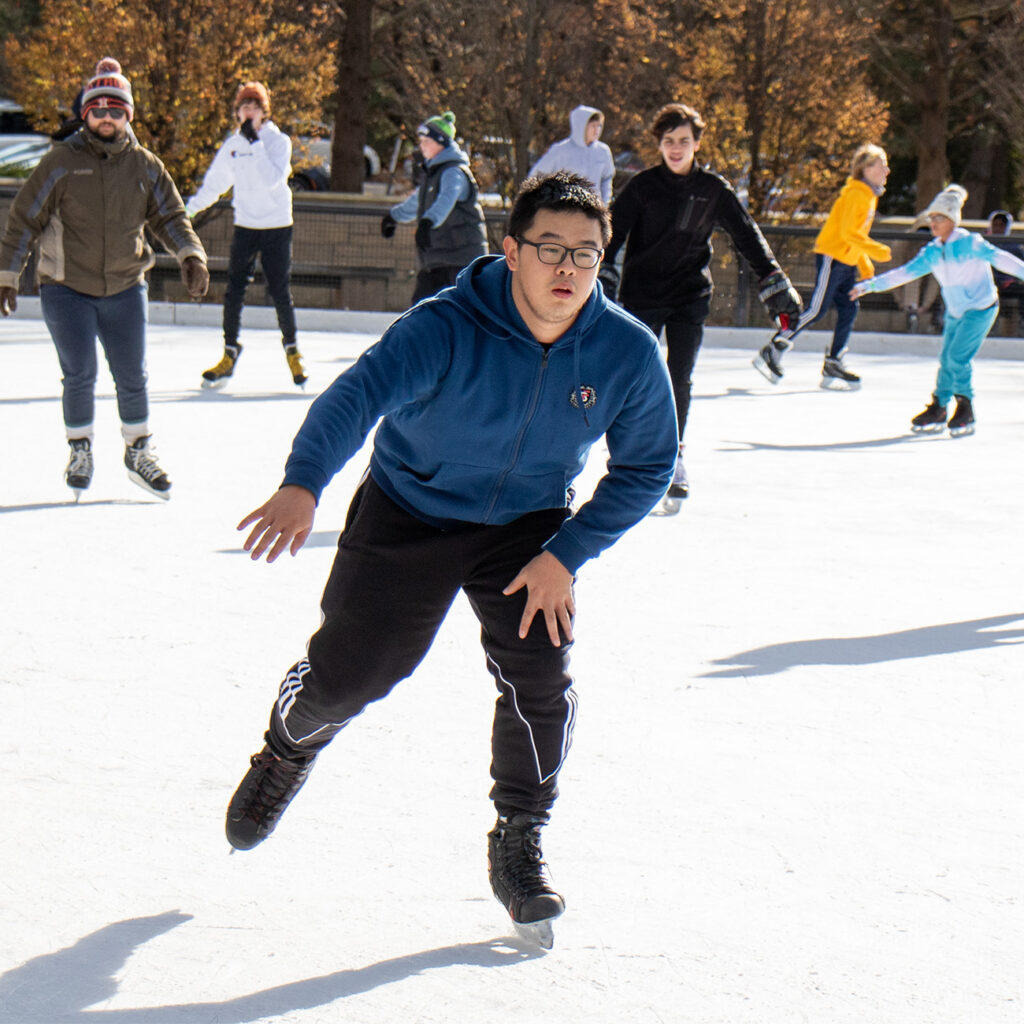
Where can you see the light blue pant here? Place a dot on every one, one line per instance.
(119, 321)
(961, 338)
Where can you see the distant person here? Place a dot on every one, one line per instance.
(582, 152)
(962, 263)
(87, 204)
(486, 400)
(1000, 224)
(843, 253)
(255, 163)
(918, 297)
(450, 228)
(665, 216)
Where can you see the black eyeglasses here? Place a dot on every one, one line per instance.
(114, 113)
(585, 257)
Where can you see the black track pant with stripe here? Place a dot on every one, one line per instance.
(393, 581)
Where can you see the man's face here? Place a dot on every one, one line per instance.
(549, 296)
(109, 123)
(250, 110)
(593, 132)
(877, 173)
(428, 147)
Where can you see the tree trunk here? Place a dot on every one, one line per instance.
(353, 98)
(932, 164)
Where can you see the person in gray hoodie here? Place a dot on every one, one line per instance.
(582, 152)
(450, 228)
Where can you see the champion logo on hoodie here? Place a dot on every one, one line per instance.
(589, 397)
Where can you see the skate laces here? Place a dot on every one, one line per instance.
(277, 782)
(143, 460)
(524, 863)
(80, 462)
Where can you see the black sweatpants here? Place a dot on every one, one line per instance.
(393, 580)
(684, 332)
(274, 248)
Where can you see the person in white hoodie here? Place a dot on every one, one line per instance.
(255, 161)
(582, 152)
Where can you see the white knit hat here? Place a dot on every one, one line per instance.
(108, 87)
(949, 203)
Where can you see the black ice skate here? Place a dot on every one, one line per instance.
(677, 491)
(217, 376)
(932, 419)
(268, 788)
(962, 420)
(298, 371)
(519, 877)
(836, 377)
(768, 362)
(78, 475)
(144, 470)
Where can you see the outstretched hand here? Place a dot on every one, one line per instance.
(285, 521)
(856, 292)
(549, 591)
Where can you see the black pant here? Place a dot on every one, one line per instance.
(393, 581)
(684, 332)
(274, 248)
(430, 281)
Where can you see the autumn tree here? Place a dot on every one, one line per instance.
(185, 59)
(354, 25)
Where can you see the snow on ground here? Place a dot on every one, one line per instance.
(794, 793)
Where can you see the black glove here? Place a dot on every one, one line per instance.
(195, 276)
(609, 278)
(423, 234)
(249, 132)
(388, 225)
(8, 300)
(781, 300)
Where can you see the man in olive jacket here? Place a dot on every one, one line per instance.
(87, 204)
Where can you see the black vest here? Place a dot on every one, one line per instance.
(462, 237)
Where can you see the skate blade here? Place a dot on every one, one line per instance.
(214, 385)
(927, 428)
(77, 492)
(835, 384)
(139, 482)
(538, 933)
(765, 370)
(961, 431)
(300, 384)
(668, 507)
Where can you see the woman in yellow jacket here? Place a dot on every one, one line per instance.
(843, 255)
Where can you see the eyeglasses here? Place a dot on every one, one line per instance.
(114, 113)
(585, 257)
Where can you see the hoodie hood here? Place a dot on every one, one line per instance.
(578, 120)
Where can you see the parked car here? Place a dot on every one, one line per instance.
(21, 148)
(311, 163)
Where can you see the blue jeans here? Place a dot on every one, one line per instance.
(75, 321)
(961, 338)
(274, 248)
(831, 288)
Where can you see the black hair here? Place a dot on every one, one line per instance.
(673, 116)
(562, 192)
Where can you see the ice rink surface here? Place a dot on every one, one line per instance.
(794, 794)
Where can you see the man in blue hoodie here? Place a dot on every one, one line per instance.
(450, 227)
(489, 396)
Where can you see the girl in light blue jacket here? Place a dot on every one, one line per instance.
(962, 263)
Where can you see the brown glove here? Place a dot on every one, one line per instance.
(195, 276)
(8, 300)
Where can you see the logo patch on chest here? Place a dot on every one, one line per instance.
(589, 397)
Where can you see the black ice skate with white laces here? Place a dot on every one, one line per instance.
(836, 377)
(677, 491)
(144, 470)
(519, 877)
(962, 420)
(768, 362)
(78, 475)
(931, 419)
(268, 788)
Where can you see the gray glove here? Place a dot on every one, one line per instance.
(781, 299)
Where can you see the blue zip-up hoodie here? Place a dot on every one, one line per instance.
(482, 424)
